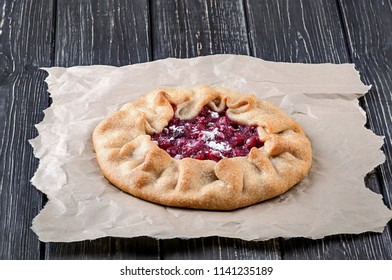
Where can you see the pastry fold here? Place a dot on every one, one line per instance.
(134, 163)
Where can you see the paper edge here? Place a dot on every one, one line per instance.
(380, 229)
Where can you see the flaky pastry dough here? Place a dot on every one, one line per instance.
(134, 163)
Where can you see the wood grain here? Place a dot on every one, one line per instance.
(296, 31)
(368, 25)
(112, 32)
(108, 248)
(192, 28)
(116, 33)
(311, 32)
(38, 33)
(184, 29)
(26, 44)
(218, 248)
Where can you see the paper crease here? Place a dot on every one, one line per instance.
(332, 199)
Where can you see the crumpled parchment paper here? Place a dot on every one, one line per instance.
(332, 199)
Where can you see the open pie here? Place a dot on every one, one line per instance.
(203, 148)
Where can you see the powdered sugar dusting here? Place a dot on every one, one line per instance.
(214, 115)
(210, 135)
(218, 146)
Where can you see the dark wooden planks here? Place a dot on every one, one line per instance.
(368, 26)
(296, 31)
(311, 32)
(108, 248)
(184, 29)
(369, 32)
(213, 248)
(116, 33)
(192, 28)
(112, 32)
(365, 246)
(25, 45)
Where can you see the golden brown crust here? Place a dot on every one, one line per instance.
(135, 164)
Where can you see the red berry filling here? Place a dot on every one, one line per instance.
(210, 135)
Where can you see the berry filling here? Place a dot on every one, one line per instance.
(210, 135)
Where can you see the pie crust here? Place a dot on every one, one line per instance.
(134, 163)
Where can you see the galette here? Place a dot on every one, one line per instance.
(203, 148)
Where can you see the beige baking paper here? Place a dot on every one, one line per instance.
(333, 198)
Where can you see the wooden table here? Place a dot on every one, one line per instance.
(44, 33)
